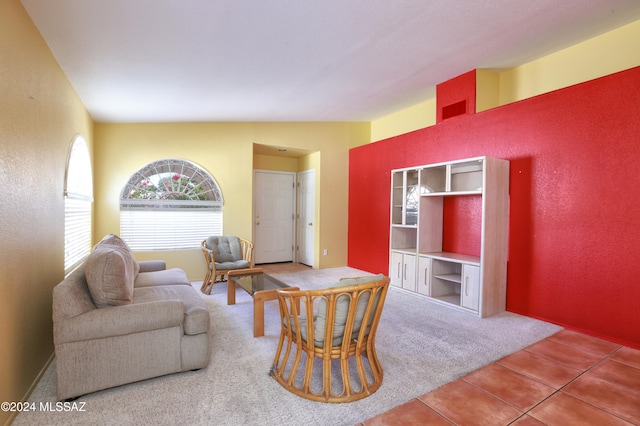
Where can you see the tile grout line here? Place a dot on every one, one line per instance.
(560, 389)
(434, 409)
(607, 357)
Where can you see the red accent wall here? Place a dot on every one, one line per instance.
(574, 225)
(461, 224)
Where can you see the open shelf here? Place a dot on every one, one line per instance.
(452, 299)
(454, 257)
(454, 278)
(467, 176)
(455, 178)
(433, 179)
(404, 238)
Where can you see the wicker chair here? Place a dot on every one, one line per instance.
(348, 369)
(223, 254)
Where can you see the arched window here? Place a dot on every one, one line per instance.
(78, 198)
(170, 204)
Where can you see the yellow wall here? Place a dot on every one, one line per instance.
(487, 90)
(226, 151)
(272, 162)
(611, 52)
(40, 114)
(407, 120)
(608, 53)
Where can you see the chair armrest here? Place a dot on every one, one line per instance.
(152, 265)
(119, 320)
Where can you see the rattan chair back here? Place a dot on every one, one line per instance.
(214, 275)
(337, 326)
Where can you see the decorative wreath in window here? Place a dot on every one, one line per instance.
(172, 179)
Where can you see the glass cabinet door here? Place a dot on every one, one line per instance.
(412, 197)
(397, 198)
(405, 194)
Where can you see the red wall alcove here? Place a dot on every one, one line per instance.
(574, 238)
(456, 96)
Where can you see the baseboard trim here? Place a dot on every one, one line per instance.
(26, 396)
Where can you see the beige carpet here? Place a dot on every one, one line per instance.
(421, 346)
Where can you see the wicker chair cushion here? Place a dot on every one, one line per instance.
(225, 249)
(342, 311)
(238, 264)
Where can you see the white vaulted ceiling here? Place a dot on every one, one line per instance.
(297, 60)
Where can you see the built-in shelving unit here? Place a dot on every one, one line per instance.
(475, 284)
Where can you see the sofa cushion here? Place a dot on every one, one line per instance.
(225, 248)
(152, 265)
(114, 321)
(196, 315)
(173, 276)
(115, 240)
(110, 274)
(342, 311)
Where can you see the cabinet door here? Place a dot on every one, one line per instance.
(412, 197)
(396, 269)
(423, 286)
(409, 272)
(397, 198)
(469, 292)
(405, 197)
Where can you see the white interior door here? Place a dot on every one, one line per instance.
(274, 204)
(306, 216)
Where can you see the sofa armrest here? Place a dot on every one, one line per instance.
(152, 265)
(119, 320)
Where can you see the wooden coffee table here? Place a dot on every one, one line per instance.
(260, 286)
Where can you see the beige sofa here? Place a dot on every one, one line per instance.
(117, 321)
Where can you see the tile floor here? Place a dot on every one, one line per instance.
(566, 379)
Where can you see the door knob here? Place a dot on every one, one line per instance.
(310, 223)
(257, 223)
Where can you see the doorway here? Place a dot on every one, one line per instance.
(306, 217)
(274, 207)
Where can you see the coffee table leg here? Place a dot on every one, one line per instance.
(258, 309)
(258, 317)
(231, 291)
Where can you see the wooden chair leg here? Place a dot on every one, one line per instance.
(207, 283)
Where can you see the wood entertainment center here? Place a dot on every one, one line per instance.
(474, 284)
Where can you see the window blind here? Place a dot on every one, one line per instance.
(169, 228)
(77, 232)
(78, 198)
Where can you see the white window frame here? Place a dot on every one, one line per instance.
(152, 219)
(78, 203)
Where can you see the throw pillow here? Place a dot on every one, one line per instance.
(115, 240)
(109, 271)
